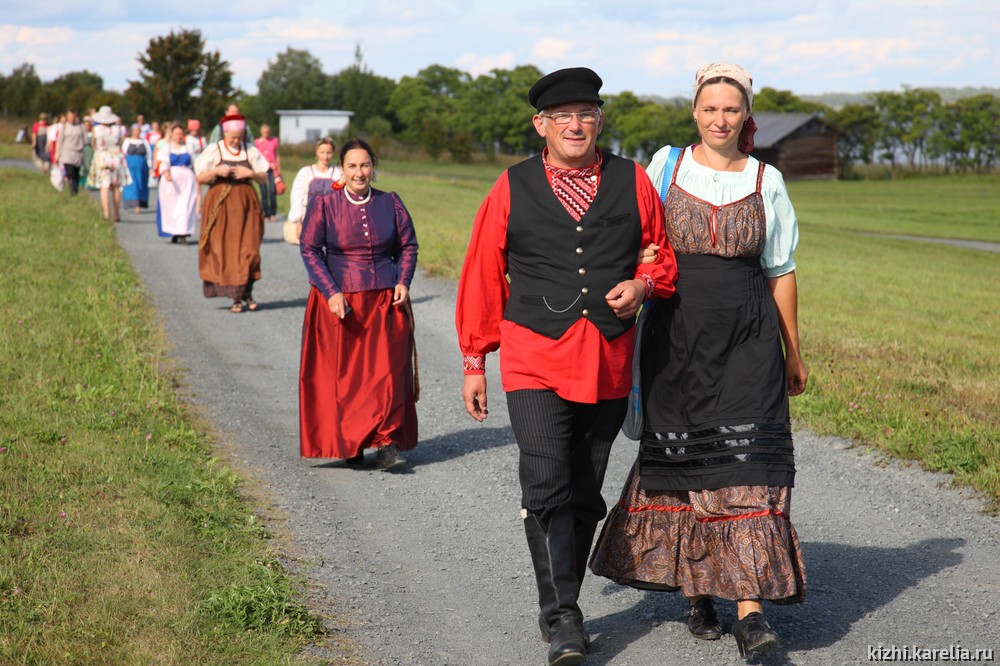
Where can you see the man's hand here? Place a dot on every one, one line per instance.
(626, 297)
(647, 255)
(474, 395)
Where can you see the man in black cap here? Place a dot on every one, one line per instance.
(566, 227)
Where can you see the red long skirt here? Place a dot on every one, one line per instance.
(356, 385)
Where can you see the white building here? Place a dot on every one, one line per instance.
(310, 125)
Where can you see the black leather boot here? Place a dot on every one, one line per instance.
(754, 636)
(554, 555)
(703, 622)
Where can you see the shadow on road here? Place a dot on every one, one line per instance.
(457, 444)
(845, 584)
(438, 449)
(280, 305)
(612, 634)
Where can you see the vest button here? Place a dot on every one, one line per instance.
(586, 312)
(584, 291)
(582, 271)
(579, 229)
(579, 250)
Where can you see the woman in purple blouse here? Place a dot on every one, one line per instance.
(357, 387)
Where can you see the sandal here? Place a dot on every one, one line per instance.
(236, 307)
(251, 304)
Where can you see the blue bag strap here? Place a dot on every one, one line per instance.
(668, 172)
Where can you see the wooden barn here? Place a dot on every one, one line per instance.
(800, 145)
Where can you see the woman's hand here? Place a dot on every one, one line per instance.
(222, 171)
(400, 294)
(647, 255)
(797, 374)
(298, 231)
(242, 173)
(338, 305)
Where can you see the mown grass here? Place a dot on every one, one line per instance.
(903, 343)
(123, 539)
(957, 206)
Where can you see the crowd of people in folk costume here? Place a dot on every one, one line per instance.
(567, 248)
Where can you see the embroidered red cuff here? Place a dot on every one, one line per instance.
(474, 365)
(650, 284)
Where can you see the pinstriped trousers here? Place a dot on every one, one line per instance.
(564, 448)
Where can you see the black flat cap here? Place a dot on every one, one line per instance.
(575, 84)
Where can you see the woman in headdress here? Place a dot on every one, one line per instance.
(707, 507)
(108, 168)
(232, 222)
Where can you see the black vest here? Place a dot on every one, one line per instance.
(561, 269)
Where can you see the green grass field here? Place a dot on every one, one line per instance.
(123, 538)
(962, 206)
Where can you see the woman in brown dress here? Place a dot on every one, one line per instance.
(707, 507)
(232, 223)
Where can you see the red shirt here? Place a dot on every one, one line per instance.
(582, 365)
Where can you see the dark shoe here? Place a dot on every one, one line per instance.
(236, 307)
(567, 645)
(174, 239)
(387, 457)
(754, 636)
(183, 240)
(356, 462)
(543, 626)
(703, 623)
(252, 305)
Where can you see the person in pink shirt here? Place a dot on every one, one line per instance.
(268, 147)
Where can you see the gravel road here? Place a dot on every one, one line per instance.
(430, 566)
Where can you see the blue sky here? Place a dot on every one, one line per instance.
(806, 46)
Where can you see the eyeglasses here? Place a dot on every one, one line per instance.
(563, 118)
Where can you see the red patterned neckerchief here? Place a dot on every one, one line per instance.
(575, 188)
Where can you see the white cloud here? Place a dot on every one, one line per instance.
(552, 49)
(298, 34)
(476, 64)
(43, 36)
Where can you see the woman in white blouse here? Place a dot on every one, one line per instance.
(139, 157)
(706, 509)
(108, 168)
(309, 181)
(177, 210)
(232, 222)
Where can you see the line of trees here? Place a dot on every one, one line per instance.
(442, 109)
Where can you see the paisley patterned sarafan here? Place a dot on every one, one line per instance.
(731, 543)
(735, 229)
